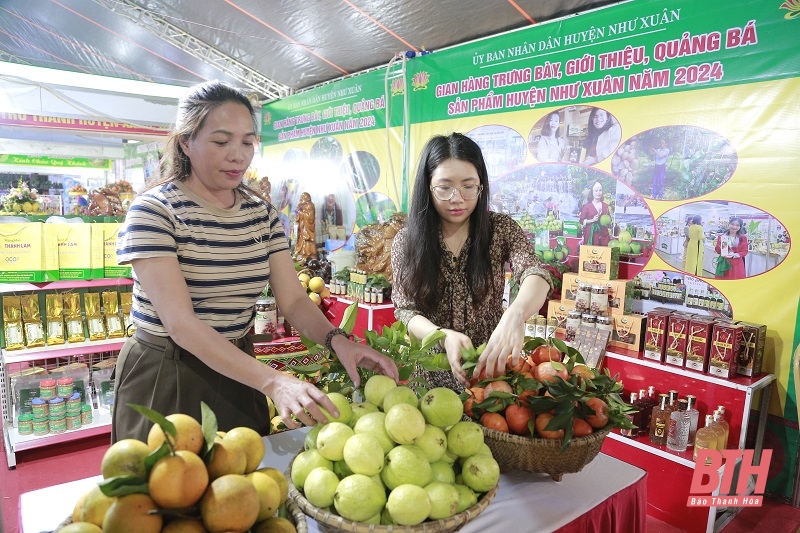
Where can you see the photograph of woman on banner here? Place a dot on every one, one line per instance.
(603, 137)
(448, 263)
(693, 246)
(551, 146)
(595, 218)
(732, 248)
(660, 155)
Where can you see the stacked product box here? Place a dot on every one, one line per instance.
(594, 297)
(703, 343)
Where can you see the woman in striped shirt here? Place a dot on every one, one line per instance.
(203, 246)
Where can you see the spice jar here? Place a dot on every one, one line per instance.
(73, 421)
(599, 301)
(40, 408)
(74, 404)
(86, 414)
(588, 320)
(25, 424)
(541, 326)
(583, 297)
(58, 407)
(530, 327)
(266, 321)
(573, 323)
(605, 322)
(552, 324)
(41, 426)
(64, 387)
(47, 389)
(58, 424)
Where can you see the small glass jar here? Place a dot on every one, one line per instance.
(58, 424)
(541, 327)
(266, 321)
(64, 387)
(47, 389)
(74, 403)
(599, 301)
(73, 421)
(530, 327)
(40, 408)
(583, 297)
(552, 324)
(41, 426)
(25, 424)
(573, 323)
(588, 320)
(58, 407)
(605, 322)
(86, 414)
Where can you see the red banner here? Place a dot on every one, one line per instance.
(60, 123)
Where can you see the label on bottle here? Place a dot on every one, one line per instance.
(661, 427)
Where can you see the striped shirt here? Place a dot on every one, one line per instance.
(223, 253)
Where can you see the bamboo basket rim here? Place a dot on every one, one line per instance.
(334, 522)
(586, 440)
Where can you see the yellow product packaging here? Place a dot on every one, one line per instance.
(80, 251)
(28, 252)
(73, 317)
(110, 267)
(114, 324)
(54, 318)
(12, 323)
(32, 320)
(94, 318)
(125, 301)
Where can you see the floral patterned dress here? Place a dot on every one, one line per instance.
(455, 308)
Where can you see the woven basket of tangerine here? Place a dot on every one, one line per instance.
(549, 413)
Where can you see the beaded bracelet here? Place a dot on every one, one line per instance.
(331, 334)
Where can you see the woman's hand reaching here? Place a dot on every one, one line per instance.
(507, 339)
(454, 341)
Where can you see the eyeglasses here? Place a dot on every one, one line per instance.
(444, 193)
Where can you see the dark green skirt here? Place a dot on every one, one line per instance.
(155, 372)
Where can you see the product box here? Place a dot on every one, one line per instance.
(598, 262)
(698, 343)
(677, 334)
(726, 339)
(628, 333)
(111, 269)
(80, 251)
(655, 339)
(28, 252)
(751, 352)
(559, 310)
(620, 292)
(571, 227)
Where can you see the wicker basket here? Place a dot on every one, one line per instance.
(294, 514)
(332, 523)
(514, 452)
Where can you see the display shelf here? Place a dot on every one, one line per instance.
(363, 305)
(670, 473)
(6, 288)
(14, 442)
(61, 350)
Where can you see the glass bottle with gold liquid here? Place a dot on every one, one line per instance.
(705, 439)
(659, 422)
(722, 428)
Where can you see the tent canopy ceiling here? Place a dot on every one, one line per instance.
(271, 49)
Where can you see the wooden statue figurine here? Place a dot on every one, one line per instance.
(306, 245)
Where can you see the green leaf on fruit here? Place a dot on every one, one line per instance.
(209, 425)
(123, 485)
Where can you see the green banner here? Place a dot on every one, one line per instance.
(357, 103)
(636, 49)
(44, 161)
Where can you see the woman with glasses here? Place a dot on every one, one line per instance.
(449, 263)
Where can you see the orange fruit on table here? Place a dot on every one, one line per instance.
(494, 421)
(600, 417)
(476, 396)
(189, 434)
(545, 353)
(547, 372)
(517, 417)
(581, 428)
(499, 386)
(541, 423)
(521, 367)
(178, 480)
